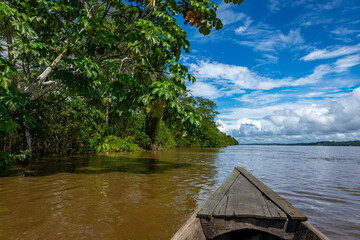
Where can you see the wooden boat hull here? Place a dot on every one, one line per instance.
(207, 224)
(193, 230)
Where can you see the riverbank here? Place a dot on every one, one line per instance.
(77, 127)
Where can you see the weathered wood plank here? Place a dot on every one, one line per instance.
(245, 200)
(236, 200)
(309, 232)
(210, 205)
(191, 230)
(261, 201)
(274, 210)
(242, 201)
(220, 210)
(290, 210)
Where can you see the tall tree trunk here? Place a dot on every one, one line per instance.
(152, 125)
(11, 55)
(107, 104)
(107, 118)
(27, 137)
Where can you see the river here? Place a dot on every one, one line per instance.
(149, 195)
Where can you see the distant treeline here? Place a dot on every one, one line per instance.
(322, 143)
(331, 143)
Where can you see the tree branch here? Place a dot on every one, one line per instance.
(42, 77)
(51, 86)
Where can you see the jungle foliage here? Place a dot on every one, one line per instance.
(90, 75)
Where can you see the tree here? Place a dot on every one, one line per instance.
(121, 54)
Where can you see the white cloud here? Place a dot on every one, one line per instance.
(319, 72)
(243, 127)
(256, 113)
(313, 18)
(274, 5)
(255, 123)
(343, 64)
(344, 31)
(277, 5)
(332, 53)
(221, 125)
(317, 13)
(227, 15)
(260, 98)
(326, 119)
(204, 90)
(264, 38)
(270, 59)
(243, 28)
(235, 78)
(257, 99)
(330, 4)
(216, 80)
(313, 94)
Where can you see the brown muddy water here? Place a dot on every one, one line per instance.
(149, 195)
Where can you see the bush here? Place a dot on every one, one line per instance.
(142, 140)
(7, 160)
(164, 139)
(115, 144)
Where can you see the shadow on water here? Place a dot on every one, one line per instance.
(96, 164)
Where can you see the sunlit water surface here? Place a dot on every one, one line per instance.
(149, 195)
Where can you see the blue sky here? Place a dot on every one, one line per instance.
(282, 71)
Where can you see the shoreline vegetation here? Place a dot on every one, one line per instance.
(321, 143)
(78, 127)
(78, 76)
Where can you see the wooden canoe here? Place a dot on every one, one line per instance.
(245, 208)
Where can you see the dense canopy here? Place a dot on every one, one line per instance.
(83, 75)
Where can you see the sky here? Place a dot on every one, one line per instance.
(282, 71)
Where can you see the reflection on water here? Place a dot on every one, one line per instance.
(149, 195)
(100, 164)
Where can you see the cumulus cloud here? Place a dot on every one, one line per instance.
(204, 90)
(221, 125)
(243, 125)
(328, 119)
(331, 53)
(246, 128)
